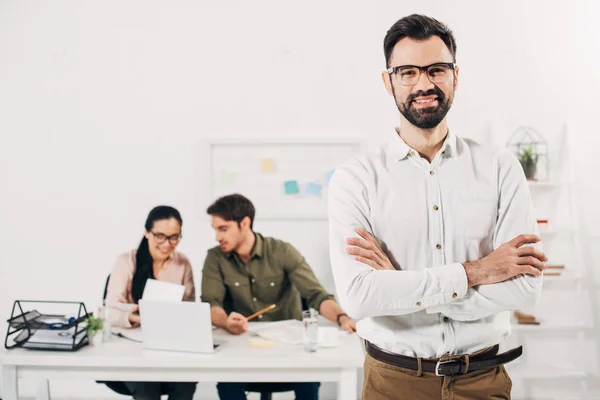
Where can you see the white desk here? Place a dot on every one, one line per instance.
(235, 361)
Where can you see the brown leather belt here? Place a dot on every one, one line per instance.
(485, 360)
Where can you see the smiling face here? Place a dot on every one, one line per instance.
(423, 104)
(163, 238)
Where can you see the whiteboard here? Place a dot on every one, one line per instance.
(284, 179)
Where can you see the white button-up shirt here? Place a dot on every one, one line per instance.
(430, 218)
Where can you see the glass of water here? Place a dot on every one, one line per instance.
(311, 330)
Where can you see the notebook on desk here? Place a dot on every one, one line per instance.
(180, 326)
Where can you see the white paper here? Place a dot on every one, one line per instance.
(287, 331)
(163, 291)
(291, 331)
(53, 339)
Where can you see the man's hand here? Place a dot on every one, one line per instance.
(236, 323)
(347, 324)
(134, 317)
(507, 261)
(368, 251)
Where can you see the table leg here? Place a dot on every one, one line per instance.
(347, 385)
(43, 390)
(10, 388)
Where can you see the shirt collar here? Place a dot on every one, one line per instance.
(259, 245)
(257, 250)
(449, 145)
(398, 147)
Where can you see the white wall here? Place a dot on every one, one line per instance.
(102, 105)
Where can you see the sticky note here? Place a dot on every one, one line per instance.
(227, 177)
(313, 189)
(267, 165)
(260, 343)
(291, 187)
(328, 175)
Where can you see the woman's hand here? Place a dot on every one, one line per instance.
(134, 317)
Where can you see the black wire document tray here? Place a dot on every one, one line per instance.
(60, 325)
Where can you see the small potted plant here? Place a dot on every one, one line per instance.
(94, 326)
(528, 161)
(531, 149)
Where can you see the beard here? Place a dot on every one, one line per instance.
(427, 117)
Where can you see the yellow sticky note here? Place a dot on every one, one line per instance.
(267, 165)
(260, 343)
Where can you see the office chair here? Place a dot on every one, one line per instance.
(115, 386)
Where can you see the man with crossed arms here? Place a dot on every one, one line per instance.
(430, 238)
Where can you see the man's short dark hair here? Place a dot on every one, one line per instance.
(417, 27)
(233, 207)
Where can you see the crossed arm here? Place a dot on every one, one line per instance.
(368, 285)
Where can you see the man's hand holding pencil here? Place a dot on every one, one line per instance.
(238, 324)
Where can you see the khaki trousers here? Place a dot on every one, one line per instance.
(389, 382)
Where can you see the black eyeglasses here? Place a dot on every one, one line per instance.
(409, 75)
(161, 238)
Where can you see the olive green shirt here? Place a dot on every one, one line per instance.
(275, 274)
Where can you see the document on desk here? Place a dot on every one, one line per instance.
(53, 339)
(163, 291)
(289, 331)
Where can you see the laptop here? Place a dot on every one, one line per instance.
(176, 326)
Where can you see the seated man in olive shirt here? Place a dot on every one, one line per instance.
(248, 272)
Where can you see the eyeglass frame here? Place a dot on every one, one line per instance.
(394, 70)
(176, 236)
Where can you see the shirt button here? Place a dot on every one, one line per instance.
(431, 172)
(435, 208)
(446, 319)
(438, 246)
(454, 295)
(418, 304)
(253, 280)
(260, 317)
(272, 283)
(254, 299)
(237, 284)
(413, 153)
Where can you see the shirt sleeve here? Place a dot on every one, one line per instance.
(303, 278)
(515, 217)
(119, 290)
(213, 286)
(188, 282)
(363, 291)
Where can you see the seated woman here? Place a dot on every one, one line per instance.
(155, 258)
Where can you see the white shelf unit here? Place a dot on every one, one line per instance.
(546, 371)
(550, 326)
(564, 277)
(545, 232)
(545, 184)
(560, 233)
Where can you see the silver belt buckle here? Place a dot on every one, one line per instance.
(437, 367)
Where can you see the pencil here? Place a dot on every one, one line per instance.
(264, 310)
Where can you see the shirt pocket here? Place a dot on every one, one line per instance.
(271, 287)
(475, 212)
(238, 287)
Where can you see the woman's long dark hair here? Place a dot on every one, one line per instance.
(143, 259)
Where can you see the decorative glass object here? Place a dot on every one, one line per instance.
(531, 149)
